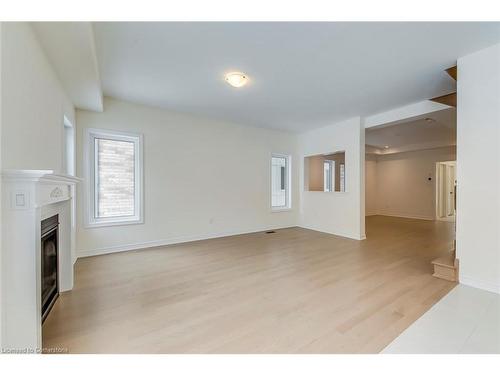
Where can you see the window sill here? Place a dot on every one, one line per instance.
(284, 209)
(100, 224)
(326, 192)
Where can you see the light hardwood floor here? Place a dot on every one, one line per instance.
(294, 291)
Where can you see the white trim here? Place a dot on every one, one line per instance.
(170, 241)
(69, 168)
(281, 209)
(326, 192)
(479, 284)
(38, 175)
(90, 220)
(402, 215)
(331, 169)
(288, 186)
(437, 193)
(338, 234)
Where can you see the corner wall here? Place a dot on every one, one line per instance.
(1, 125)
(34, 103)
(202, 178)
(339, 213)
(478, 169)
(370, 185)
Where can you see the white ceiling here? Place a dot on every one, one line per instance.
(414, 134)
(303, 75)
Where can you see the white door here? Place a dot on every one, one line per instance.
(445, 190)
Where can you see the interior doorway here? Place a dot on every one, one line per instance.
(446, 190)
(410, 177)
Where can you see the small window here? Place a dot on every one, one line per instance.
(114, 175)
(328, 168)
(69, 147)
(280, 182)
(342, 177)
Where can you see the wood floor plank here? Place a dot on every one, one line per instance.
(294, 291)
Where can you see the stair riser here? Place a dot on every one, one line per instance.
(445, 273)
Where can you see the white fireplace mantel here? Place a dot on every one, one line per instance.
(28, 197)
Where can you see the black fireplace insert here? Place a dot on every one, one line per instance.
(49, 263)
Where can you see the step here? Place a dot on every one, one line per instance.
(446, 267)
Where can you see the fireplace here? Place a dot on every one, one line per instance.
(49, 263)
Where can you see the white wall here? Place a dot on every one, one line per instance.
(34, 103)
(1, 124)
(478, 169)
(203, 178)
(370, 185)
(340, 213)
(398, 185)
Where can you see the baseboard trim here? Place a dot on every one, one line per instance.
(479, 284)
(404, 216)
(339, 234)
(166, 242)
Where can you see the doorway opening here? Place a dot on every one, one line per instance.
(410, 177)
(446, 189)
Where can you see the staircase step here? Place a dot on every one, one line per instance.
(452, 72)
(447, 261)
(446, 267)
(449, 99)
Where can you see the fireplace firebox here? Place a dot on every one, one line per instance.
(49, 263)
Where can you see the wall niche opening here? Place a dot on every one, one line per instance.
(325, 172)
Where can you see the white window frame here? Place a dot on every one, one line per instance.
(69, 161)
(288, 183)
(331, 182)
(90, 161)
(342, 177)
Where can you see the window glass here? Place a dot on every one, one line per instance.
(115, 193)
(279, 182)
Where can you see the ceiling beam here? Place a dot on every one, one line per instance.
(403, 113)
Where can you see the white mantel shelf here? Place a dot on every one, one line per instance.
(38, 175)
(28, 197)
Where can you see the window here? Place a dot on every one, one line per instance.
(280, 182)
(69, 147)
(342, 177)
(114, 177)
(328, 175)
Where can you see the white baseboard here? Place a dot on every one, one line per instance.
(479, 284)
(339, 234)
(165, 242)
(403, 215)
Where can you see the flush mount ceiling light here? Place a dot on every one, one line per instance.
(386, 147)
(236, 79)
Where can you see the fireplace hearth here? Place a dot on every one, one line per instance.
(49, 263)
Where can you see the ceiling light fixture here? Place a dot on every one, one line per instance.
(428, 119)
(236, 79)
(386, 147)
